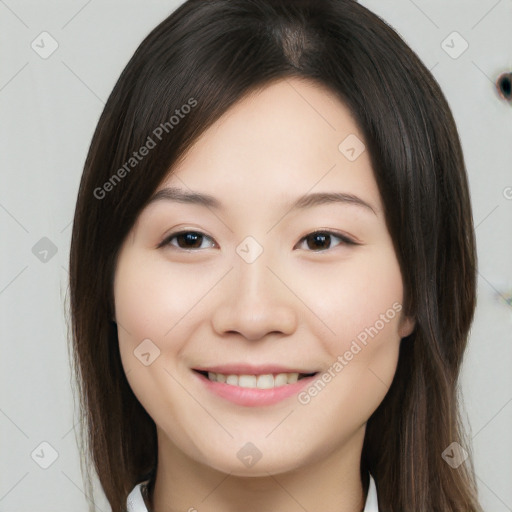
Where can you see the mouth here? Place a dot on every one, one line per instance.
(253, 385)
(260, 381)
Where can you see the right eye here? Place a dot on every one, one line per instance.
(186, 240)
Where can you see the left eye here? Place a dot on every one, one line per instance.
(323, 237)
(316, 241)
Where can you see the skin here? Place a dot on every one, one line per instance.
(298, 304)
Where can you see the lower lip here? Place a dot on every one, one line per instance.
(254, 397)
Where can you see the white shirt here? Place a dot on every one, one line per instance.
(135, 501)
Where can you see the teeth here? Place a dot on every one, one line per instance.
(267, 381)
(247, 381)
(232, 379)
(281, 379)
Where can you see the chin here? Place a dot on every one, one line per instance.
(262, 457)
(264, 467)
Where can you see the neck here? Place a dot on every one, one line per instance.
(332, 484)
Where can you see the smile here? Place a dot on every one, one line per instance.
(266, 381)
(264, 387)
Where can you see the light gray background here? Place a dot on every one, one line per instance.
(48, 111)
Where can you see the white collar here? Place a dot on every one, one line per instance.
(372, 504)
(135, 501)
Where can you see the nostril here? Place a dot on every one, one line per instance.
(504, 86)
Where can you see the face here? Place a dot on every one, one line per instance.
(220, 303)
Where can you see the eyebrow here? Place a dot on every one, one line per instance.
(306, 201)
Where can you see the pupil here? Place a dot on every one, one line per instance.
(321, 237)
(190, 237)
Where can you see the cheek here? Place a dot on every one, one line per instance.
(357, 299)
(149, 303)
(363, 353)
(159, 302)
(150, 299)
(361, 302)
(364, 311)
(144, 308)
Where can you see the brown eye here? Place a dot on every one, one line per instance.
(321, 240)
(186, 240)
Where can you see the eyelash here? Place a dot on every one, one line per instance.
(344, 239)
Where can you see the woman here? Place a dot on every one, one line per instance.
(272, 269)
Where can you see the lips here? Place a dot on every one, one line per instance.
(251, 385)
(251, 376)
(260, 381)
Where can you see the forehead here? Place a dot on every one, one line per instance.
(279, 142)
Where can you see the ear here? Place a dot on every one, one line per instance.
(407, 325)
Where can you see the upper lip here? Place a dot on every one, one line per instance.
(249, 369)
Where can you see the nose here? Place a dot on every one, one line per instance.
(255, 301)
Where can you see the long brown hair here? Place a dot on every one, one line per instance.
(210, 54)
